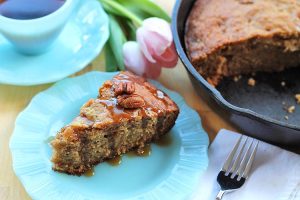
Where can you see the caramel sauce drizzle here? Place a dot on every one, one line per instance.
(115, 161)
(142, 152)
(145, 151)
(116, 111)
(90, 172)
(164, 141)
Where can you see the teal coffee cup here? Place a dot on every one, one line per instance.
(36, 36)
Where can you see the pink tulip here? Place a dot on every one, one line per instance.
(156, 42)
(136, 62)
(153, 50)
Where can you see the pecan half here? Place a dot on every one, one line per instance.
(124, 88)
(130, 101)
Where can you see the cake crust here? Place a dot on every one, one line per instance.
(232, 37)
(128, 113)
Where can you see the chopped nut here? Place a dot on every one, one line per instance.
(291, 109)
(286, 117)
(283, 83)
(297, 96)
(124, 88)
(130, 101)
(251, 82)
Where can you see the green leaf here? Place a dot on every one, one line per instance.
(110, 10)
(110, 60)
(129, 29)
(116, 41)
(145, 9)
(134, 9)
(113, 7)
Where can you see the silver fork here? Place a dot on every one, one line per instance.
(237, 166)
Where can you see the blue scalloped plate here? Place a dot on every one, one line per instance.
(170, 172)
(79, 43)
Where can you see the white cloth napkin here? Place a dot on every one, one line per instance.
(275, 174)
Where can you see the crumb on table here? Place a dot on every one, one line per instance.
(251, 82)
(291, 109)
(286, 117)
(283, 83)
(297, 96)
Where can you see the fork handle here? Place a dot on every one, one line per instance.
(220, 195)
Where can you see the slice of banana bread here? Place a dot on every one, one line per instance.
(233, 37)
(128, 113)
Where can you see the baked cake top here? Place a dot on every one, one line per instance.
(214, 23)
(125, 97)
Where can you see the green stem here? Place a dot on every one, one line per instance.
(123, 10)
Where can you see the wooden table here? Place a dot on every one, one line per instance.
(14, 99)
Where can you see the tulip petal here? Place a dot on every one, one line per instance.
(159, 26)
(136, 62)
(152, 44)
(157, 43)
(133, 58)
(153, 70)
(141, 35)
(168, 59)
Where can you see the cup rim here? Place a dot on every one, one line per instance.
(57, 12)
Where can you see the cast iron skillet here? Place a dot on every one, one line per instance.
(257, 111)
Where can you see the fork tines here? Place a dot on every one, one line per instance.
(241, 158)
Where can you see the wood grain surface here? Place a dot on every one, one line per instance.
(14, 99)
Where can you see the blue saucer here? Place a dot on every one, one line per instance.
(169, 173)
(80, 42)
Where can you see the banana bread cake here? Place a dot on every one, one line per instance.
(233, 37)
(128, 113)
